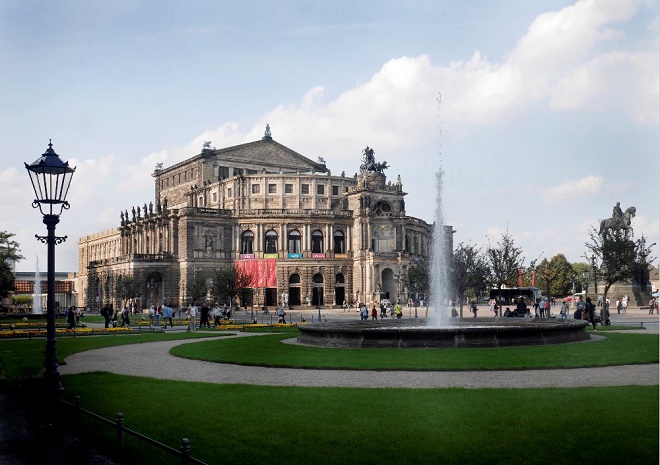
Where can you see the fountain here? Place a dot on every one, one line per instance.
(37, 307)
(442, 330)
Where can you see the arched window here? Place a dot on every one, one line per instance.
(247, 239)
(294, 241)
(270, 245)
(294, 279)
(317, 242)
(340, 243)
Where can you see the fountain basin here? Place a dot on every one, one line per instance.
(462, 333)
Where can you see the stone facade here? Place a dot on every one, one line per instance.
(334, 238)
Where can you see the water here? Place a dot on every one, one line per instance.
(37, 308)
(439, 256)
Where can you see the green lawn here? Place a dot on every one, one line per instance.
(296, 425)
(262, 424)
(615, 349)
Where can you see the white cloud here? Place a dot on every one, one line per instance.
(574, 189)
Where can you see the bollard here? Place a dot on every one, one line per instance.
(185, 451)
(120, 429)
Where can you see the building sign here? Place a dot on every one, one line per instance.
(247, 256)
(318, 255)
(271, 255)
(295, 255)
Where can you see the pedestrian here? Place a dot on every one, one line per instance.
(106, 318)
(398, 310)
(651, 306)
(192, 314)
(474, 308)
(167, 315)
(125, 320)
(536, 309)
(204, 317)
(217, 315)
(281, 314)
(624, 304)
(152, 315)
(71, 317)
(590, 311)
(564, 310)
(374, 312)
(158, 313)
(364, 313)
(580, 309)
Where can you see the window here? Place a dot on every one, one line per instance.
(256, 188)
(335, 190)
(270, 245)
(320, 189)
(288, 188)
(340, 244)
(294, 241)
(229, 192)
(272, 188)
(215, 197)
(304, 189)
(317, 242)
(382, 209)
(246, 242)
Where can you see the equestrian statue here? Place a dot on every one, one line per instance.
(619, 221)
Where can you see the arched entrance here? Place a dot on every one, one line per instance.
(294, 289)
(153, 290)
(317, 289)
(389, 285)
(340, 289)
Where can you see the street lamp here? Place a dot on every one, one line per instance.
(585, 278)
(51, 178)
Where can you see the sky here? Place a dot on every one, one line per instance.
(542, 115)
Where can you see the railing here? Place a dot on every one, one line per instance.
(118, 424)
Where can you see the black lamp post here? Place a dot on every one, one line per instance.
(51, 179)
(585, 278)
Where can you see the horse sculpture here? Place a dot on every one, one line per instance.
(618, 223)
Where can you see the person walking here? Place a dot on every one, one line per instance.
(125, 320)
(167, 315)
(651, 305)
(374, 312)
(590, 312)
(71, 317)
(398, 311)
(192, 315)
(281, 314)
(364, 313)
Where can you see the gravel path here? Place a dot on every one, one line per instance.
(154, 361)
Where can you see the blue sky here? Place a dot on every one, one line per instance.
(542, 114)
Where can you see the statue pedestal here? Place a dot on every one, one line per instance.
(638, 296)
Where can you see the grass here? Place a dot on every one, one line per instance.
(25, 357)
(296, 425)
(615, 349)
(262, 424)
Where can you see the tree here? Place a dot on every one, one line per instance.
(619, 255)
(469, 271)
(9, 252)
(418, 278)
(504, 261)
(229, 282)
(197, 288)
(125, 289)
(554, 276)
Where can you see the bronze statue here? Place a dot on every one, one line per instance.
(369, 163)
(618, 221)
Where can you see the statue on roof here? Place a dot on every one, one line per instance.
(267, 134)
(369, 164)
(207, 146)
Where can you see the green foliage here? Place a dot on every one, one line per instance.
(197, 288)
(554, 278)
(418, 278)
(469, 271)
(9, 252)
(621, 258)
(228, 283)
(125, 289)
(504, 261)
(22, 300)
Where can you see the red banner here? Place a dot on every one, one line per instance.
(520, 277)
(262, 273)
(533, 276)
